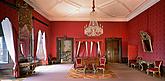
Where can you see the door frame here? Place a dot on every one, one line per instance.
(120, 46)
(58, 48)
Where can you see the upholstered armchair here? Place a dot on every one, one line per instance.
(79, 64)
(156, 68)
(101, 65)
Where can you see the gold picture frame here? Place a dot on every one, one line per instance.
(146, 42)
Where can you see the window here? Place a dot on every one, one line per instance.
(4, 56)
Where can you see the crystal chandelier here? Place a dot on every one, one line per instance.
(93, 29)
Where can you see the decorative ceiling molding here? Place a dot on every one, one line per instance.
(147, 4)
(36, 8)
(106, 3)
(78, 10)
(124, 5)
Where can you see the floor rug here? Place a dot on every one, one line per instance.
(98, 75)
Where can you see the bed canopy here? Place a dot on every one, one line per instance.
(89, 47)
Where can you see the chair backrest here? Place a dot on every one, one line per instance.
(138, 59)
(157, 64)
(78, 61)
(102, 61)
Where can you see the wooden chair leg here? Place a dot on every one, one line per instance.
(147, 72)
(142, 68)
(94, 70)
(154, 73)
(83, 70)
(131, 65)
(103, 71)
(159, 74)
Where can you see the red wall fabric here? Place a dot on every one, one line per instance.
(153, 22)
(132, 52)
(11, 13)
(13, 17)
(75, 29)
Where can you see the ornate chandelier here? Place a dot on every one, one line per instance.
(93, 29)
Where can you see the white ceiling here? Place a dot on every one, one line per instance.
(79, 10)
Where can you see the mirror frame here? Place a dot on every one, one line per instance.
(146, 42)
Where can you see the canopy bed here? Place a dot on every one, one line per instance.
(88, 53)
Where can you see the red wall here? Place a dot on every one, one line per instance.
(153, 22)
(75, 29)
(13, 17)
(132, 52)
(11, 13)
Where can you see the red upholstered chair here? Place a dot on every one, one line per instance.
(136, 63)
(156, 68)
(101, 66)
(79, 64)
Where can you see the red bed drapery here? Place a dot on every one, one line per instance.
(88, 47)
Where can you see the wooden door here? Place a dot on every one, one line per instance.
(113, 50)
(65, 50)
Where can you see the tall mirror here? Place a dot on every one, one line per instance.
(146, 42)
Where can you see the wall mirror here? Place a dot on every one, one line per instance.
(146, 42)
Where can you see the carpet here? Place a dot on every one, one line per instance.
(98, 75)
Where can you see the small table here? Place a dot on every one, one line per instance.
(148, 63)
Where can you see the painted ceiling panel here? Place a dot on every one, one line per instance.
(133, 4)
(79, 10)
(115, 9)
